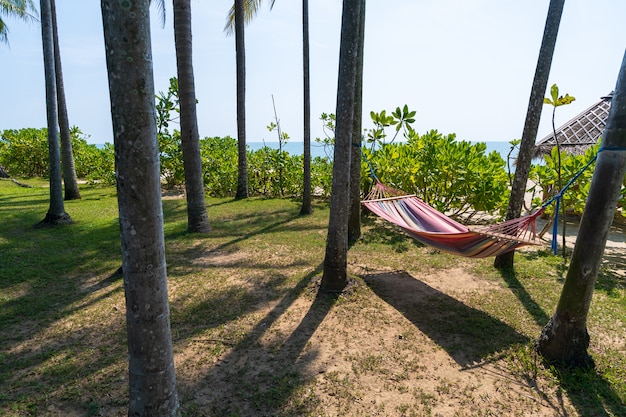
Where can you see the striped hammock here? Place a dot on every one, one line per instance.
(432, 228)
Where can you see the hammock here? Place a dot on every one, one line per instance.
(432, 228)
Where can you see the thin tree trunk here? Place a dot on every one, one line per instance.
(354, 222)
(152, 378)
(565, 338)
(335, 276)
(197, 218)
(56, 213)
(531, 124)
(67, 155)
(306, 186)
(242, 164)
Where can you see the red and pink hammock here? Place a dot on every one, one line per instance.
(432, 228)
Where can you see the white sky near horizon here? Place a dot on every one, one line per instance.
(466, 67)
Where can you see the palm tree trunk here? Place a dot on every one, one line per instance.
(354, 222)
(242, 164)
(306, 188)
(152, 378)
(67, 155)
(565, 338)
(335, 276)
(56, 213)
(197, 218)
(531, 124)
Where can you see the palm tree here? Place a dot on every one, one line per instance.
(67, 156)
(354, 222)
(335, 276)
(240, 48)
(250, 10)
(152, 378)
(306, 187)
(241, 13)
(56, 213)
(531, 124)
(565, 339)
(21, 9)
(197, 218)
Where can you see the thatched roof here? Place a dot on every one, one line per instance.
(579, 133)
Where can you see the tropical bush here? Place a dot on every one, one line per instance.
(455, 177)
(24, 153)
(219, 163)
(575, 197)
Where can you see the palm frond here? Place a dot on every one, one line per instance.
(160, 5)
(251, 9)
(21, 9)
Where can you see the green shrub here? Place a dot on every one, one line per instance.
(24, 152)
(219, 164)
(455, 177)
(575, 197)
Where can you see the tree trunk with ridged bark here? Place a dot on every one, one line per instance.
(197, 217)
(531, 124)
(335, 276)
(151, 376)
(56, 213)
(70, 181)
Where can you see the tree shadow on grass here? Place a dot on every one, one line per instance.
(468, 335)
(534, 309)
(255, 378)
(590, 393)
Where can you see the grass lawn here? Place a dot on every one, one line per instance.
(420, 333)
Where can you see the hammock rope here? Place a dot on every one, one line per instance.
(558, 197)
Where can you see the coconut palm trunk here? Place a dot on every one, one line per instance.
(151, 377)
(531, 124)
(306, 185)
(565, 338)
(56, 213)
(354, 222)
(240, 49)
(335, 276)
(197, 218)
(67, 155)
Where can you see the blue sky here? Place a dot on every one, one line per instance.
(466, 67)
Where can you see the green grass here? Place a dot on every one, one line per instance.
(248, 323)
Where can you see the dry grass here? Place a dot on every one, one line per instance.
(420, 333)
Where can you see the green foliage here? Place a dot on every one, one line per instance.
(219, 164)
(557, 100)
(575, 197)
(96, 165)
(400, 118)
(273, 172)
(170, 147)
(24, 152)
(453, 176)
